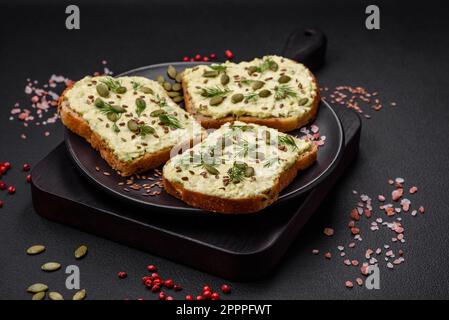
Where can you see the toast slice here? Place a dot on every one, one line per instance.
(273, 91)
(239, 168)
(130, 120)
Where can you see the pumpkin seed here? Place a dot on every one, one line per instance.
(178, 99)
(264, 93)
(171, 72)
(81, 252)
(236, 98)
(176, 87)
(256, 85)
(146, 90)
(102, 90)
(224, 79)
(249, 172)
(284, 79)
(215, 101)
(252, 69)
(55, 296)
(303, 101)
(118, 109)
(173, 94)
(211, 169)
(51, 266)
(120, 90)
(140, 104)
(133, 126)
(167, 86)
(147, 130)
(160, 79)
(157, 113)
(36, 249)
(80, 295)
(39, 296)
(179, 77)
(99, 103)
(210, 73)
(274, 66)
(112, 116)
(37, 287)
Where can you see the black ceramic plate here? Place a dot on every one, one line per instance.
(87, 159)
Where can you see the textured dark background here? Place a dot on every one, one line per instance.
(406, 61)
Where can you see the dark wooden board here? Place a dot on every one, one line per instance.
(234, 247)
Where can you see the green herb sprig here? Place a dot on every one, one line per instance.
(284, 91)
(216, 91)
(271, 161)
(112, 84)
(237, 172)
(287, 140)
(218, 67)
(170, 121)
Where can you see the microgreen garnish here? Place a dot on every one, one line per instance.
(284, 91)
(218, 67)
(214, 92)
(161, 101)
(135, 85)
(237, 172)
(286, 140)
(267, 64)
(112, 84)
(253, 96)
(170, 121)
(271, 161)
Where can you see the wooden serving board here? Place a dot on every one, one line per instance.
(234, 247)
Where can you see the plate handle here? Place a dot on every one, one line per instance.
(307, 46)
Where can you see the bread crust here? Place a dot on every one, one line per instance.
(243, 205)
(78, 125)
(281, 124)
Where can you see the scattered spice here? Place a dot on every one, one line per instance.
(328, 232)
(357, 98)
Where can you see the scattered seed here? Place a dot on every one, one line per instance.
(51, 266)
(349, 284)
(80, 295)
(39, 296)
(328, 232)
(37, 287)
(81, 252)
(53, 295)
(36, 249)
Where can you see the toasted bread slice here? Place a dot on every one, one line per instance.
(292, 101)
(239, 168)
(133, 123)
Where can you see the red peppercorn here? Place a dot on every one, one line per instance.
(206, 288)
(26, 167)
(207, 294)
(229, 54)
(7, 165)
(155, 288)
(144, 279)
(169, 298)
(2, 185)
(122, 274)
(154, 275)
(3, 170)
(151, 268)
(215, 296)
(162, 295)
(192, 59)
(185, 59)
(177, 287)
(1, 204)
(169, 283)
(205, 58)
(199, 298)
(148, 283)
(28, 178)
(11, 190)
(213, 56)
(157, 282)
(226, 288)
(189, 297)
(198, 57)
